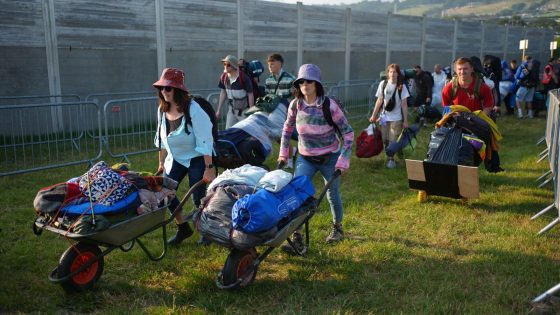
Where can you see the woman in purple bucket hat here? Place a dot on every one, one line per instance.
(322, 147)
(184, 136)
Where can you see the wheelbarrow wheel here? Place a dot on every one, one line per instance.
(75, 257)
(237, 264)
(126, 247)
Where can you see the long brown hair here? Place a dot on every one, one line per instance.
(400, 79)
(180, 97)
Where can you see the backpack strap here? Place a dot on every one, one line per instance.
(326, 106)
(278, 82)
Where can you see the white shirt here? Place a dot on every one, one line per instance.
(396, 113)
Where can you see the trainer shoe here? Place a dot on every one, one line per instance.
(391, 163)
(519, 113)
(530, 114)
(297, 247)
(336, 234)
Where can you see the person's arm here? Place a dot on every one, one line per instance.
(429, 89)
(251, 99)
(220, 103)
(404, 106)
(209, 172)
(162, 154)
(287, 131)
(378, 103)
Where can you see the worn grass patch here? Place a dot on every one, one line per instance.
(399, 256)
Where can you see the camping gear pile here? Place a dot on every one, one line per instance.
(466, 138)
(107, 206)
(248, 207)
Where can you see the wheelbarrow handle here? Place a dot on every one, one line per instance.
(187, 196)
(336, 174)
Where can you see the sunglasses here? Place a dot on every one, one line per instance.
(306, 81)
(166, 88)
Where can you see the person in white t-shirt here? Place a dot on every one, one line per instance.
(391, 106)
(440, 78)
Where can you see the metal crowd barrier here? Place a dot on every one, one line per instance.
(130, 126)
(551, 138)
(39, 99)
(41, 136)
(357, 98)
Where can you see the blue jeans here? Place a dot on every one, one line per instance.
(305, 167)
(195, 172)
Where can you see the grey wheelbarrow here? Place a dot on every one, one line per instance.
(241, 265)
(81, 265)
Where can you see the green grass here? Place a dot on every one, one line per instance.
(399, 256)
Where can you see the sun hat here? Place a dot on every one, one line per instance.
(308, 72)
(231, 60)
(172, 77)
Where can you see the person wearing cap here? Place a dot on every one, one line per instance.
(184, 137)
(237, 88)
(320, 147)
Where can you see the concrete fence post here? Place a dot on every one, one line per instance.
(423, 43)
(388, 43)
(348, 48)
(299, 34)
(240, 30)
(454, 52)
(160, 35)
(506, 42)
(482, 39)
(53, 69)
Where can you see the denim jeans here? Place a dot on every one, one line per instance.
(195, 172)
(305, 167)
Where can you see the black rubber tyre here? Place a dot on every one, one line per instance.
(237, 264)
(75, 257)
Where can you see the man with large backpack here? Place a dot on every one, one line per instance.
(237, 88)
(467, 88)
(527, 78)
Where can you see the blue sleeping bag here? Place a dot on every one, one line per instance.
(130, 203)
(263, 210)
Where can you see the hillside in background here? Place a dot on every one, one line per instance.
(537, 13)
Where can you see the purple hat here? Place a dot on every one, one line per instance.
(172, 77)
(308, 71)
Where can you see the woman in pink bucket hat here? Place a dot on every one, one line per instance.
(323, 146)
(184, 136)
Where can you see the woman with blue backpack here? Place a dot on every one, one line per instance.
(324, 143)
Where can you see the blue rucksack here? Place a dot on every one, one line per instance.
(263, 210)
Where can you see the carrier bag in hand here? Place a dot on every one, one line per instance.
(264, 209)
(369, 142)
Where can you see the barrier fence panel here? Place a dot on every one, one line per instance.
(552, 137)
(40, 136)
(214, 98)
(357, 98)
(38, 99)
(130, 126)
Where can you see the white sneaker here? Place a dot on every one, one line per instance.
(530, 113)
(391, 163)
(519, 113)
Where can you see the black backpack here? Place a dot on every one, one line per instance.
(207, 107)
(493, 67)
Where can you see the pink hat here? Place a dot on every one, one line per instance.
(172, 77)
